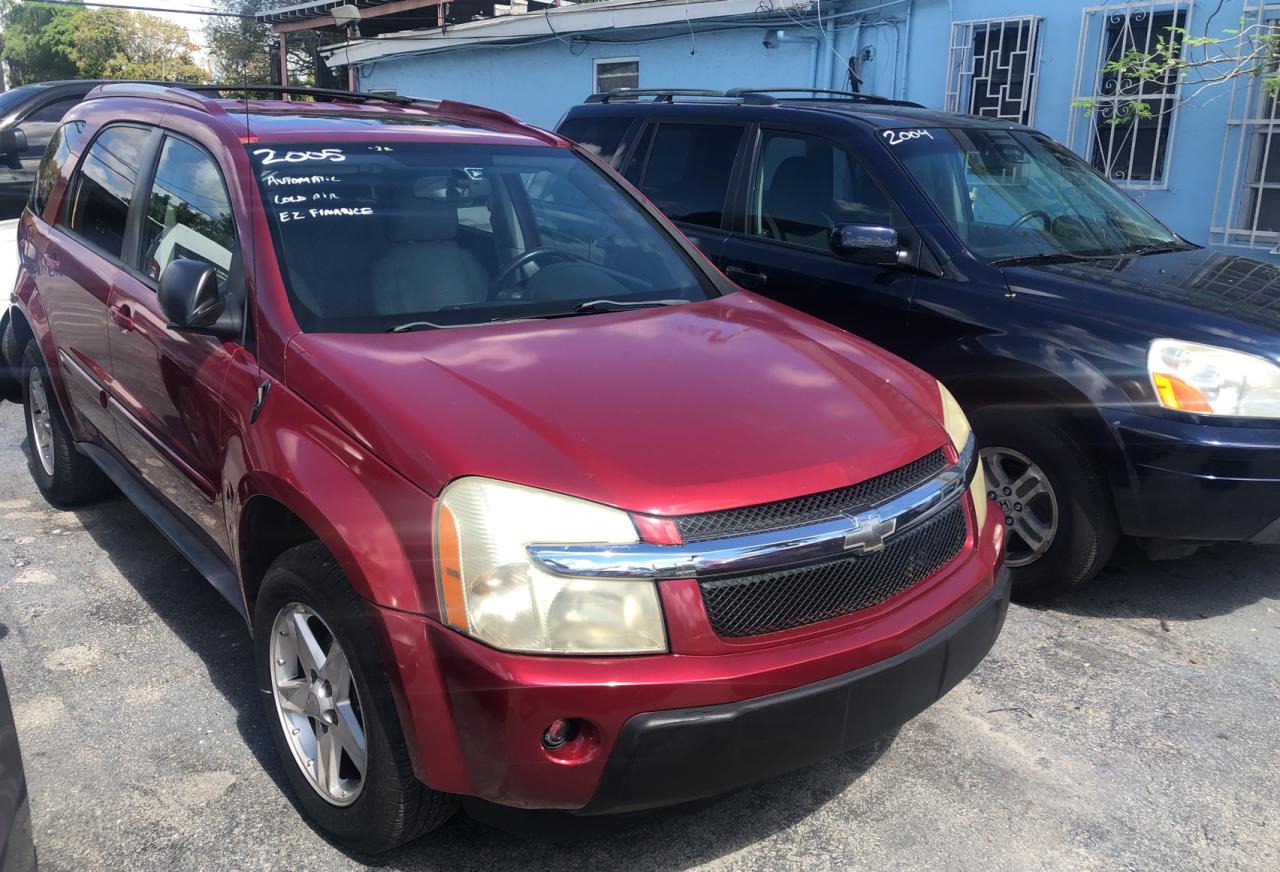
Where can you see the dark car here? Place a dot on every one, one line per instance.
(522, 500)
(1121, 379)
(29, 114)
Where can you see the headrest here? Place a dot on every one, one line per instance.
(420, 220)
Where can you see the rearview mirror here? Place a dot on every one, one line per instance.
(190, 299)
(868, 244)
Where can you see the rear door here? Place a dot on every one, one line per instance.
(687, 168)
(798, 187)
(167, 383)
(79, 264)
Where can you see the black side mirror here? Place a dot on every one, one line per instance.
(13, 142)
(190, 299)
(868, 244)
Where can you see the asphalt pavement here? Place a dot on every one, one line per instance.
(1135, 725)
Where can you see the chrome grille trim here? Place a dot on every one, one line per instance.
(865, 532)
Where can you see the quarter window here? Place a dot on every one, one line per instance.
(188, 212)
(803, 186)
(103, 188)
(687, 175)
(61, 145)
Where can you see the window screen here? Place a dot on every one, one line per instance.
(614, 73)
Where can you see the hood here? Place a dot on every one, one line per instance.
(1227, 285)
(690, 408)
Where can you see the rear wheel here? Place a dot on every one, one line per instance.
(330, 710)
(65, 476)
(1060, 525)
(10, 362)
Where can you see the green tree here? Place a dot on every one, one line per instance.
(118, 44)
(242, 50)
(36, 41)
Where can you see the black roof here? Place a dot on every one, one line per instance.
(871, 109)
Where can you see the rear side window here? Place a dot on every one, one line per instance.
(188, 213)
(687, 175)
(61, 145)
(103, 188)
(600, 136)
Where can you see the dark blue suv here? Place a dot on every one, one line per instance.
(1121, 379)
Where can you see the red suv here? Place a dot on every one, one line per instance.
(523, 501)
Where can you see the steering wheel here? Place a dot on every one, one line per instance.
(1034, 213)
(529, 257)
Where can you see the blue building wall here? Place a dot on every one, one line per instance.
(908, 44)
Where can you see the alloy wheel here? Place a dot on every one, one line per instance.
(41, 420)
(1026, 498)
(319, 704)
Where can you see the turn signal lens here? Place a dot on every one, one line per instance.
(453, 604)
(1176, 394)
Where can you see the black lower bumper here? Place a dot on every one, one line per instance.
(1198, 481)
(670, 757)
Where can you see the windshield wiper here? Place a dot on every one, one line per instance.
(594, 306)
(1053, 257)
(1157, 248)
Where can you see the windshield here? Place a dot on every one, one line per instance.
(375, 237)
(1014, 195)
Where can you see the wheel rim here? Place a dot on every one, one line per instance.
(41, 420)
(319, 704)
(1026, 497)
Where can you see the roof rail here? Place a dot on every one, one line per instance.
(185, 96)
(857, 96)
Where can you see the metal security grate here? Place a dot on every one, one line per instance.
(814, 507)
(768, 602)
(995, 64)
(1126, 128)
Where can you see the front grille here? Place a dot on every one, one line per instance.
(751, 605)
(815, 507)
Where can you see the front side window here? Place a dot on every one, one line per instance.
(188, 213)
(377, 237)
(102, 189)
(1012, 194)
(687, 174)
(61, 145)
(803, 186)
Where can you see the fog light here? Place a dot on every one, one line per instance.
(557, 733)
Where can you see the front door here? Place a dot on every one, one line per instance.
(800, 187)
(168, 383)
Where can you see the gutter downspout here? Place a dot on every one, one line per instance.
(815, 42)
(906, 52)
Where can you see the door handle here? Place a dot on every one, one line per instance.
(123, 316)
(51, 264)
(748, 278)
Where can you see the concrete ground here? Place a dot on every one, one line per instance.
(1135, 725)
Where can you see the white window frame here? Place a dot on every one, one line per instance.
(1086, 126)
(595, 71)
(961, 72)
(1253, 132)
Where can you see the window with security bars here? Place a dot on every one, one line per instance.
(1247, 204)
(1127, 129)
(994, 67)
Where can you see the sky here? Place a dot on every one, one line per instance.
(193, 23)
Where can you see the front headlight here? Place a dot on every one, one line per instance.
(957, 426)
(489, 589)
(1207, 380)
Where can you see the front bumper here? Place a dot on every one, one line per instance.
(669, 757)
(474, 716)
(1198, 482)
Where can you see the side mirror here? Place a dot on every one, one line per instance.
(12, 141)
(868, 244)
(190, 299)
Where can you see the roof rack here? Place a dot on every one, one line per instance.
(857, 96)
(191, 96)
(755, 96)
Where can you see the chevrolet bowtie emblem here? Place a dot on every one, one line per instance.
(869, 532)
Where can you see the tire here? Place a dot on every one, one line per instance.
(389, 806)
(1078, 533)
(10, 362)
(65, 476)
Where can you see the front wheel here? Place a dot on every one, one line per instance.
(1060, 525)
(330, 710)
